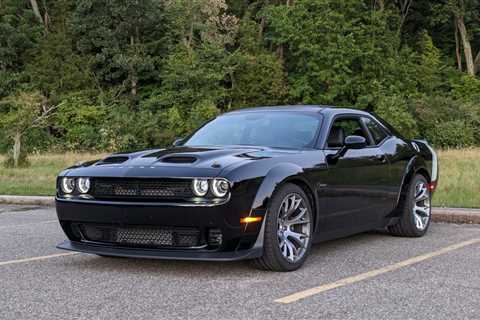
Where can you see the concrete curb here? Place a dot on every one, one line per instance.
(456, 215)
(447, 215)
(28, 200)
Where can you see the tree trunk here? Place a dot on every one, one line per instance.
(133, 72)
(467, 48)
(263, 22)
(476, 63)
(458, 52)
(404, 8)
(36, 10)
(281, 48)
(17, 144)
(134, 84)
(380, 4)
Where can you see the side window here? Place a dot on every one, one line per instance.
(378, 133)
(342, 128)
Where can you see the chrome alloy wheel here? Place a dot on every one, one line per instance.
(293, 227)
(421, 205)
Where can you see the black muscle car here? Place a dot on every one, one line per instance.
(262, 184)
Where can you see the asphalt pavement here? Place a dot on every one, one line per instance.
(367, 276)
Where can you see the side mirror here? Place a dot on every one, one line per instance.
(355, 142)
(177, 142)
(350, 142)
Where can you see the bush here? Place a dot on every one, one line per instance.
(22, 161)
(451, 134)
(200, 114)
(466, 88)
(394, 109)
(448, 123)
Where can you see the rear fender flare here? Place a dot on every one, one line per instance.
(415, 164)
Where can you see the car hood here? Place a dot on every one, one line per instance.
(174, 162)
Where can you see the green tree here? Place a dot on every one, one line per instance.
(19, 34)
(256, 76)
(122, 38)
(429, 65)
(340, 53)
(20, 113)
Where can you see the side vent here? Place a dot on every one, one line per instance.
(179, 159)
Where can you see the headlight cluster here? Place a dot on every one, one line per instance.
(219, 187)
(69, 185)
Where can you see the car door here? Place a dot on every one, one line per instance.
(354, 191)
(389, 148)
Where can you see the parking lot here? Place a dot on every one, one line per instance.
(368, 276)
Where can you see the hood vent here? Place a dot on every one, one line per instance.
(179, 159)
(113, 160)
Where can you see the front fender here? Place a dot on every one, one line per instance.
(275, 176)
(279, 174)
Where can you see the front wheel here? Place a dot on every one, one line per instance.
(416, 211)
(288, 230)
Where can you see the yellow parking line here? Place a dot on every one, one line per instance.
(373, 273)
(5, 263)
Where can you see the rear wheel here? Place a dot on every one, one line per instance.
(288, 230)
(416, 211)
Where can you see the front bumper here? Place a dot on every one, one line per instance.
(238, 241)
(161, 254)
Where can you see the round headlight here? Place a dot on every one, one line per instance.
(83, 185)
(220, 187)
(67, 185)
(200, 187)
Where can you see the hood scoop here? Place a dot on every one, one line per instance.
(179, 159)
(112, 160)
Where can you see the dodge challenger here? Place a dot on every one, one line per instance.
(262, 184)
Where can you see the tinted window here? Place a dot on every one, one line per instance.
(342, 128)
(272, 129)
(377, 133)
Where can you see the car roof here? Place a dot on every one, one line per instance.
(324, 109)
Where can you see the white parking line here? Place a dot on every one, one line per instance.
(5, 263)
(373, 273)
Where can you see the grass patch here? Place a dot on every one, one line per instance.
(459, 179)
(459, 184)
(39, 178)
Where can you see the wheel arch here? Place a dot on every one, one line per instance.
(415, 166)
(424, 173)
(310, 194)
(279, 176)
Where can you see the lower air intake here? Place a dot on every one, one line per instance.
(142, 236)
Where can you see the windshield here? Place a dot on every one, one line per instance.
(290, 130)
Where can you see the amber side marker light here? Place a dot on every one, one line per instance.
(250, 219)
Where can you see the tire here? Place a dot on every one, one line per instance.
(409, 224)
(280, 246)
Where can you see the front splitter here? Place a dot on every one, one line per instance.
(160, 254)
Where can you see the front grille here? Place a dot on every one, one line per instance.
(141, 236)
(104, 188)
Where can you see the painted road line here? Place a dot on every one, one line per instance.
(58, 255)
(373, 273)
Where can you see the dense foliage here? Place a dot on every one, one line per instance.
(113, 75)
